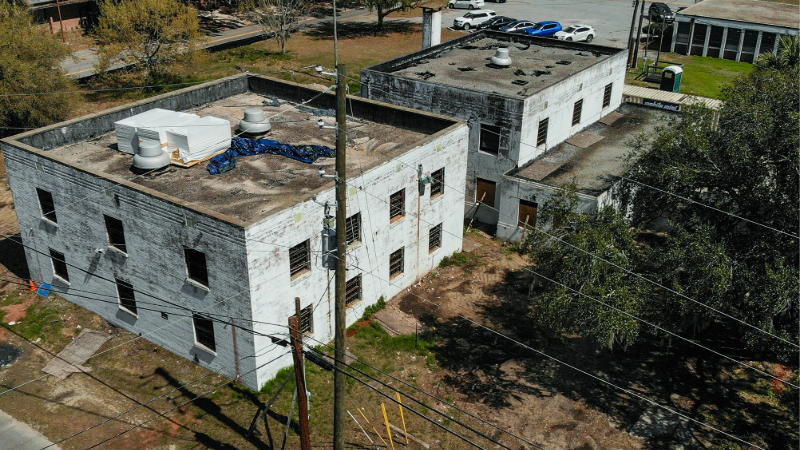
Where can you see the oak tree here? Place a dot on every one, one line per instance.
(278, 18)
(386, 7)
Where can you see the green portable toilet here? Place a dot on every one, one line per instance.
(671, 78)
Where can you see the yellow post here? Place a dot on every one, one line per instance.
(402, 416)
(388, 430)
(373, 427)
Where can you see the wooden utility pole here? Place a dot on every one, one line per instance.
(299, 376)
(635, 63)
(340, 305)
(630, 35)
(61, 22)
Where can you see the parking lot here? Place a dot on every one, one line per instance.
(611, 18)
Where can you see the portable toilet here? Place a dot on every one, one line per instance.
(671, 78)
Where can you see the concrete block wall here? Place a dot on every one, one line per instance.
(156, 232)
(268, 242)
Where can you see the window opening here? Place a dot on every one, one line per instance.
(435, 238)
(307, 319)
(116, 234)
(607, 95)
(576, 112)
(127, 301)
(353, 228)
(59, 265)
(47, 205)
(490, 139)
(299, 259)
(196, 269)
(541, 135)
(397, 205)
(204, 332)
(437, 187)
(353, 291)
(396, 263)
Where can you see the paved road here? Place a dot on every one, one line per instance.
(15, 435)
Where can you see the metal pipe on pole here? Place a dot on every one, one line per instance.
(340, 282)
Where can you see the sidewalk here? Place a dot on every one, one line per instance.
(19, 436)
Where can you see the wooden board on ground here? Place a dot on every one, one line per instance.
(176, 161)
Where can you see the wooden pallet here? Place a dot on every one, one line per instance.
(176, 161)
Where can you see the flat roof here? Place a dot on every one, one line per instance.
(259, 185)
(593, 158)
(753, 11)
(537, 63)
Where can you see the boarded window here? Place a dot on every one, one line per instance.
(397, 205)
(204, 332)
(353, 291)
(59, 265)
(435, 238)
(116, 234)
(541, 135)
(527, 213)
(47, 205)
(353, 228)
(607, 95)
(196, 268)
(576, 112)
(490, 139)
(485, 192)
(307, 319)
(126, 296)
(437, 187)
(299, 259)
(396, 263)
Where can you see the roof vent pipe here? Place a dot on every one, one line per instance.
(150, 156)
(254, 122)
(501, 57)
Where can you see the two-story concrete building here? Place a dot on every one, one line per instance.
(549, 91)
(208, 266)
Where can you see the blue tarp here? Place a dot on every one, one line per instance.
(247, 147)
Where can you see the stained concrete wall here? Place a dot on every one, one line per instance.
(517, 118)
(268, 242)
(156, 234)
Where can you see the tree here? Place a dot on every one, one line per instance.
(278, 18)
(571, 284)
(728, 188)
(152, 34)
(386, 7)
(738, 253)
(30, 64)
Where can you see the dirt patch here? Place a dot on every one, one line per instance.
(15, 313)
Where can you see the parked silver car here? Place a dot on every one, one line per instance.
(465, 4)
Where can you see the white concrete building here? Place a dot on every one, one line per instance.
(181, 255)
(739, 30)
(551, 91)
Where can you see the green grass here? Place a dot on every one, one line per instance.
(703, 76)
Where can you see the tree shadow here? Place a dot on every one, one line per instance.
(352, 30)
(683, 377)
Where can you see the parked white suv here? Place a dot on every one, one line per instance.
(473, 19)
(465, 4)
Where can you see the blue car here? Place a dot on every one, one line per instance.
(543, 29)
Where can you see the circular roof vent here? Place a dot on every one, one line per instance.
(254, 122)
(150, 156)
(501, 58)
